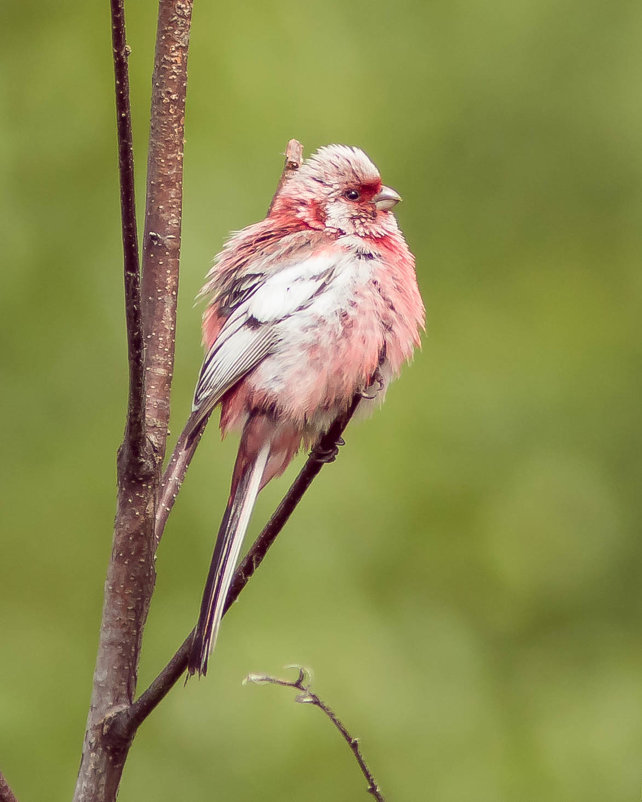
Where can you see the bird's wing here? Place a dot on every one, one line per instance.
(252, 330)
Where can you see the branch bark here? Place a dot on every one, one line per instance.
(130, 574)
(135, 429)
(163, 211)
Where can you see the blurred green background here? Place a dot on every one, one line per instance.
(465, 580)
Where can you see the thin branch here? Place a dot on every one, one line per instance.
(302, 683)
(135, 432)
(293, 160)
(174, 474)
(159, 687)
(6, 794)
(323, 452)
(182, 455)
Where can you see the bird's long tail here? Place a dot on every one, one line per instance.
(226, 552)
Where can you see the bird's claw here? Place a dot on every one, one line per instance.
(377, 379)
(325, 455)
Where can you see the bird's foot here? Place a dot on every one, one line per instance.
(374, 388)
(325, 455)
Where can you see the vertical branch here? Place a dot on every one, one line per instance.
(135, 430)
(150, 326)
(163, 210)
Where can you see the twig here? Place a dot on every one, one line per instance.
(293, 160)
(302, 683)
(135, 432)
(172, 672)
(173, 477)
(182, 455)
(6, 794)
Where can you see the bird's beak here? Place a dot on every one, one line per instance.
(386, 199)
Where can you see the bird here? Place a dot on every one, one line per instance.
(306, 309)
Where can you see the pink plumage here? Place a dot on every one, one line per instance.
(306, 308)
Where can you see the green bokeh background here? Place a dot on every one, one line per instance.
(465, 580)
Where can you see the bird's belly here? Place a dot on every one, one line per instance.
(316, 371)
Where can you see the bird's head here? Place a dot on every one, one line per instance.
(339, 188)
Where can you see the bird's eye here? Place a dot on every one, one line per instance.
(352, 194)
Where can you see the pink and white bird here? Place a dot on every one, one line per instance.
(314, 304)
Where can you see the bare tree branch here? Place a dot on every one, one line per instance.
(130, 574)
(323, 452)
(174, 474)
(163, 211)
(135, 430)
(302, 683)
(6, 794)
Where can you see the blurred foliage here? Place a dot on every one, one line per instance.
(465, 580)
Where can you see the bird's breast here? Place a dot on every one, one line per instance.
(326, 351)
